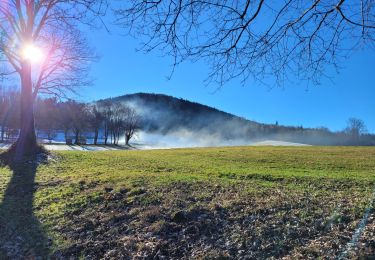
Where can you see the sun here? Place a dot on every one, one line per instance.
(32, 53)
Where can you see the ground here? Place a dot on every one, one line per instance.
(140, 146)
(238, 202)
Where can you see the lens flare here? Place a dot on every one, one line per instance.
(32, 53)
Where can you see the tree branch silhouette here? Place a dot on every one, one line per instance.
(253, 39)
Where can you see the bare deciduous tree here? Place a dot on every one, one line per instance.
(9, 113)
(355, 127)
(131, 123)
(77, 116)
(64, 122)
(117, 120)
(47, 30)
(253, 39)
(96, 120)
(105, 108)
(47, 117)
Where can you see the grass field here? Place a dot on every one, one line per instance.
(240, 202)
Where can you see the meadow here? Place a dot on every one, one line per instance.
(203, 203)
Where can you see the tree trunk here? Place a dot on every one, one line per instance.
(105, 134)
(96, 136)
(127, 138)
(26, 143)
(117, 137)
(2, 133)
(77, 137)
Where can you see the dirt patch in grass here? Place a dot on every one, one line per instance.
(202, 220)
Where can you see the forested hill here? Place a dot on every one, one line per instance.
(178, 105)
(165, 114)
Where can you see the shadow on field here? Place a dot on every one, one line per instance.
(21, 234)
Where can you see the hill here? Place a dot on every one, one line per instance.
(168, 115)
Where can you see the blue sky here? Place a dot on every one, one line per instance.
(122, 70)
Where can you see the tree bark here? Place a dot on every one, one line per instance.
(77, 137)
(2, 133)
(26, 143)
(96, 136)
(105, 133)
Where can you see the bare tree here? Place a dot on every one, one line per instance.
(131, 123)
(253, 39)
(48, 31)
(79, 118)
(9, 113)
(105, 108)
(116, 121)
(64, 119)
(47, 117)
(96, 120)
(355, 127)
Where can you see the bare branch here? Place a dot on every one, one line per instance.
(253, 39)
(52, 25)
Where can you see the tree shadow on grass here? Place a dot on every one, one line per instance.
(21, 233)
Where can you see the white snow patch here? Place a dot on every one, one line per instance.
(277, 143)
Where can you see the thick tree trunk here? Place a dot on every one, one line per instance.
(127, 138)
(26, 143)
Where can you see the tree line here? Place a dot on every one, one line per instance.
(354, 133)
(105, 122)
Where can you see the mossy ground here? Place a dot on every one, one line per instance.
(249, 202)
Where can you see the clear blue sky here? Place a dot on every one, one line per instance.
(122, 70)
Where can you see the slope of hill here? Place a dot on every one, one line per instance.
(167, 115)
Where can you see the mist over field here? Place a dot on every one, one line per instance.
(184, 138)
(169, 122)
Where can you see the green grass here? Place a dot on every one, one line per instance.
(326, 186)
